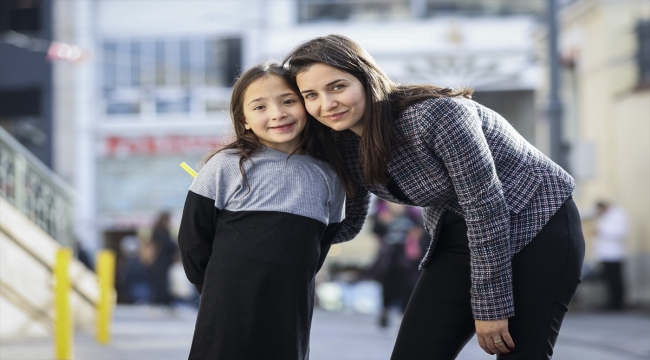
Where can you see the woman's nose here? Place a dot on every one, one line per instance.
(329, 103)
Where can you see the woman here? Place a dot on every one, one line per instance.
(507, 245)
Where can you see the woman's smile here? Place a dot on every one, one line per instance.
(336, 116)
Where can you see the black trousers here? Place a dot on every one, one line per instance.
(613, 273)
(438, 321)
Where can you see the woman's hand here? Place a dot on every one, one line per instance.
(493, 336)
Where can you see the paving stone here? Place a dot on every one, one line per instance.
(142, 334)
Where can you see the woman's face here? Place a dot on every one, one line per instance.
(334, 97)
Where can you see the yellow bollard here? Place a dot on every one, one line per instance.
(105, 265)
(63, 327)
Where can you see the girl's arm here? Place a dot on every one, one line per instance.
(335, 218)
(198, 224)
(326, 242)
(453, 131)
(195, 236)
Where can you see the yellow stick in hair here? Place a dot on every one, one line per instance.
(188, 169)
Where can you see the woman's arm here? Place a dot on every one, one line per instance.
(453, 130)
(356, 210)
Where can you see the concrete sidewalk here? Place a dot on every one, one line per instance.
(139, 334)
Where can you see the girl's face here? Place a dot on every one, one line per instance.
(274, 112)
(334, 97)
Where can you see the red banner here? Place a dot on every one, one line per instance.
(150, 145)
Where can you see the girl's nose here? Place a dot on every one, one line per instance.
(278, 113)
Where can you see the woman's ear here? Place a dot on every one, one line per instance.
(246, 126)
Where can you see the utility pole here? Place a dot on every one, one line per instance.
(554, 111)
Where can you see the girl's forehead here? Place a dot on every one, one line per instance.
(268, 84)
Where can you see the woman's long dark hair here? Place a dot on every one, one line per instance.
(384, 97)
(246, 142)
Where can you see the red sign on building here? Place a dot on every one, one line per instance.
(167, 145)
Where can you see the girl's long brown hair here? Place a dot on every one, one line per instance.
(384, 97)
(246, 142)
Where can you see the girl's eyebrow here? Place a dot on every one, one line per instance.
(254, 100)
(326, 85)
(280, 96)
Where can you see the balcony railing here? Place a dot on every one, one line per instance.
(35, 190)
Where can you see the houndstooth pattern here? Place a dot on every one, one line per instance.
(455, 154)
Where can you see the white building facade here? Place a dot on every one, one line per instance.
(163, 72)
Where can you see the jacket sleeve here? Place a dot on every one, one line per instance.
(453, 131)
(356, 210)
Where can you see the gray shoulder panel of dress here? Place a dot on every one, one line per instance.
(296, 184)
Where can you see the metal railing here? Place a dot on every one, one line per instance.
(35, 190)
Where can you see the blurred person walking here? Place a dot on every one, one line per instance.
(258, 222)
(163, 250)
(396, 267)
(133, 280)
(611, 232)
(507, 245)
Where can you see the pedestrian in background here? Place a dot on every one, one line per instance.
(133, 280)
(258, 222)
(394, 268)
(507, 245)
(164, 250)
(611, 232)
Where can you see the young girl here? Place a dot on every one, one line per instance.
(258, 222)
(507, 244)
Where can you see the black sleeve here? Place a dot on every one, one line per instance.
(326, 242)
(195, 236)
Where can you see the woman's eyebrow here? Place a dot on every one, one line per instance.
(326, 85)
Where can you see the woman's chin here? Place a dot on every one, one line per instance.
(338, 127)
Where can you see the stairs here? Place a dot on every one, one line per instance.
(35, 221)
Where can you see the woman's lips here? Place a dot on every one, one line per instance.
(336, 116)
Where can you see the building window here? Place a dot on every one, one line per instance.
(23, 16)
(344, 10)
(155, 76)
(643, 52)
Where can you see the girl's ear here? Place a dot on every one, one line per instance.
(246, 126)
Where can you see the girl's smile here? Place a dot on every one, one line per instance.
(284, 127)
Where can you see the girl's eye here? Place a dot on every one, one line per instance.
(261, 107)
(289, 101)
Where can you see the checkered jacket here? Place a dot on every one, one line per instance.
(454, 154)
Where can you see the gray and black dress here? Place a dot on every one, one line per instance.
(253, 252)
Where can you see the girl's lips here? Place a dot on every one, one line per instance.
(336, 116)
(283, 127)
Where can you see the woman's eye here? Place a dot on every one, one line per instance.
(338, 87)
(310, 96)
